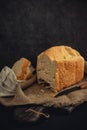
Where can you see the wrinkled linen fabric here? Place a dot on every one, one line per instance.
(8, 82)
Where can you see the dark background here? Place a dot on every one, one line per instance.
(27, 27)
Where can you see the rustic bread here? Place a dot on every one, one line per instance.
(59, 67)
(21, 69)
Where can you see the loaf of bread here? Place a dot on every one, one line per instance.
(22, 69)
(59, 67)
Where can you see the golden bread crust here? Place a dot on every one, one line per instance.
(69, 66)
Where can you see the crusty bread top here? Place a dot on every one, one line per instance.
(20, 68)
(58, 53)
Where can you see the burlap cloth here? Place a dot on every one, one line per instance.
(36, 94)
(31, 99)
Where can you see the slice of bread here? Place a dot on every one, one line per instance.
(59, 67)
(21, 69)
